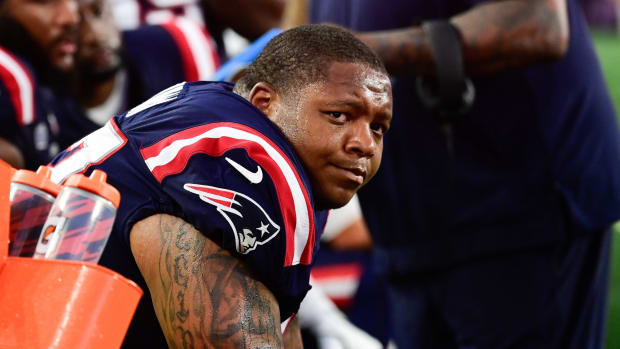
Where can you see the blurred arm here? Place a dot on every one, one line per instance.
(354, 237)
(292, 336)
(496, 35)
(249, 18)
(346, 228)
(295, 13)
(11, 154)
(203, 296)
(318, 313)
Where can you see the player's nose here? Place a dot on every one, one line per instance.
(67, 14)
(361, 140)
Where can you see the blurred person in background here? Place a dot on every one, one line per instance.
(492, 225)
(232, 23)
(118, 70)
(601, 14)
(38, 40)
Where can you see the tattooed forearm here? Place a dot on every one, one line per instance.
(203, 296)
(496, 35)
(499, 35)
(402, 51)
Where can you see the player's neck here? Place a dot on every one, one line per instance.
(99, 93)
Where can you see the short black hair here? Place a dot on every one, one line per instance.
(302, 55)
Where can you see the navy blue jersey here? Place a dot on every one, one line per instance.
(539, 145)
(202, 153)
(26, 112)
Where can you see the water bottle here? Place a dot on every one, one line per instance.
(81, 219)
(32, 195)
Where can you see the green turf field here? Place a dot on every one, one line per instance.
(608, 48)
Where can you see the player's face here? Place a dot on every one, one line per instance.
(52, 24)
(337, 128)
(99, 44)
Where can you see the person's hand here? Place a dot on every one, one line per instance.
(330, 326)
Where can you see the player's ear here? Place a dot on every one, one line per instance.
(264, 97)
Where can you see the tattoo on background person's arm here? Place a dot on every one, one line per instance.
(203, 296)
(496, 35)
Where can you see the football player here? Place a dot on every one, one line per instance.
(37, 47)
(225, 189)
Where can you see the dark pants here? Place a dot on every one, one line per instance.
(543, 298)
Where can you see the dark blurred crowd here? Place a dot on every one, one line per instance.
(67, 66)
(602, 14)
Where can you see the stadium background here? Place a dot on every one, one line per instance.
(608, 48)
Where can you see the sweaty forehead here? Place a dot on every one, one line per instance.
(358, 74)
(352, 83)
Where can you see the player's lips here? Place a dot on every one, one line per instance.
(66, 46)
(355, 173)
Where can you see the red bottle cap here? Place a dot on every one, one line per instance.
(41, 180)
(95, 184)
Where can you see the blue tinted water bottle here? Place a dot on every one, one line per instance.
(32, 196)
(81, 219)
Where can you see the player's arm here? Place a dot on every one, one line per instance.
(202, 295)
(295, 13)
(11, 154)
(495, 35)
(346, 228)
(255, 17)
(292, 335)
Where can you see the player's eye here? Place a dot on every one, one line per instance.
(379, 128)
(337, 116)
(97, 10)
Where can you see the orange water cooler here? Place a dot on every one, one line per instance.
(59, 304)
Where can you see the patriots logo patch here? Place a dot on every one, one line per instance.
(250, 223)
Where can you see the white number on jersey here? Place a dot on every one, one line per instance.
(164, 96)
(92, 149)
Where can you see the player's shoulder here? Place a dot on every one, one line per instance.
(252, 179)
(202, 117)
(19, 85)
(13, 64)
(186, 105)
(204, 142)
(179, 39)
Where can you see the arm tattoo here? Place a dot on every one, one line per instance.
(402, 51)
(207, 298)
(513, 33)
(496, 35)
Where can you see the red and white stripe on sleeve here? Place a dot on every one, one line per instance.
(171, 155)
(19, 83)
(197, 48)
